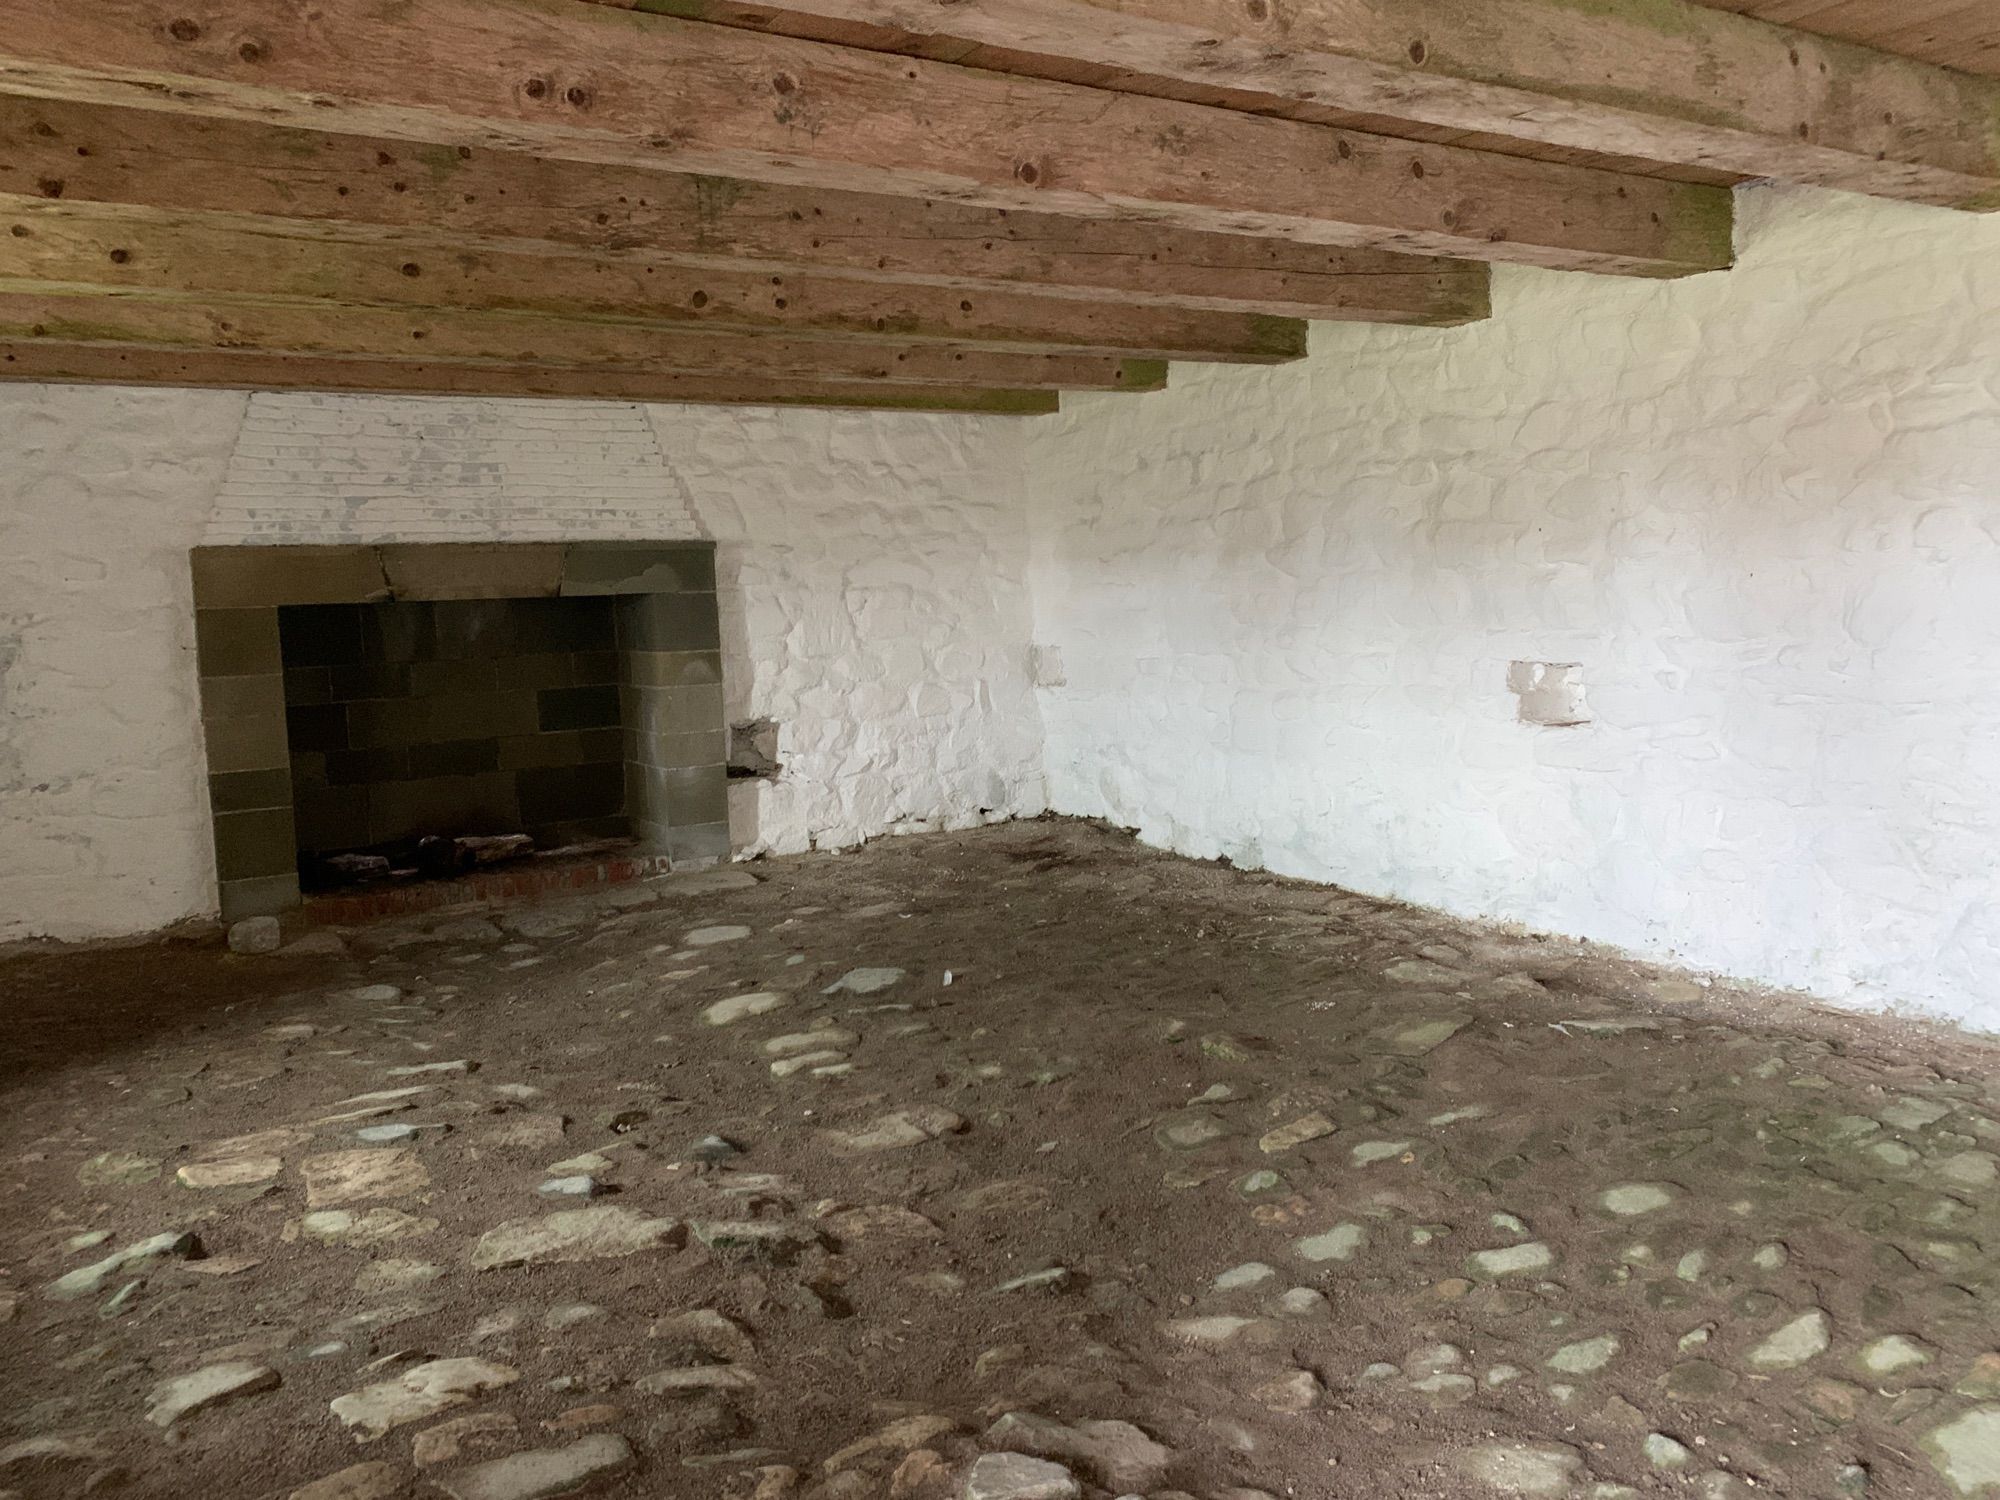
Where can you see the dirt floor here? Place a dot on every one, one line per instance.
(1047, 1166)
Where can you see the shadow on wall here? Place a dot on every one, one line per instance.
(739, 688)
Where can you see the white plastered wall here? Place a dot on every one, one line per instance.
(1760, 510)
(873, 573)
(1275, 611)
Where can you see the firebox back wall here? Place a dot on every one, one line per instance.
(453, 716)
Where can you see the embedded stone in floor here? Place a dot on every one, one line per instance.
(1513, 1260)
(1116, 1454)
(738, 1007)
(87, 1279)
(418, 1392)
(1522, 1468)
(543, 1473)
(368, 1481)
(896, 1131)
(1966, 1450)
(1805, 1338)
(1017, 1476)
(1306, 1128)
(341, 1177)
(1191, 1130)
(209, 1386)
(597, 1233)
(1634, 1198)
(1336, 1244)
(243, 1171)
(1585, 1356)
(864, 981)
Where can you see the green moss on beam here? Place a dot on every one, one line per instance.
(1141, 375)
(1701, 229)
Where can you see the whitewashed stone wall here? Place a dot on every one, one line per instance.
(879, 613)
(315, 468)
(1753, 519)
(1761, 513)
(872, 576)
(103, 790)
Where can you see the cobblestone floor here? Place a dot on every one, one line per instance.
(1010, 1165)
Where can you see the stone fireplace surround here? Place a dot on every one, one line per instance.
(669, 680)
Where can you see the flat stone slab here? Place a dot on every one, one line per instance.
(826, 1039)
(708, 937)
(1629, 1200)
(242, 1171)
(361, 1174)
(1017, 1476)
(1118, 1455)
(1512, 1260)
(863, 981)
(1190, 1130)
(1522, 1468)
(84, 1280)
(1966, 1450)
(542, 1473)
(418, 1392)
(897, 1131)
(209, 1386)
(738, 1007)
(597, 1233)
(1339, 1243)
(369, 1481)
(1286, 1137)
(1805, 1338)
(1420, 1037)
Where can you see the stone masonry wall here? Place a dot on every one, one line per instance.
(887, 633)
(1340, 619)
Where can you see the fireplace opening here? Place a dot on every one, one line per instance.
(429, 738)
(403, 711)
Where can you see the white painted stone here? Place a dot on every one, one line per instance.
(1756, 508)
(873, 572)
(1337, 559)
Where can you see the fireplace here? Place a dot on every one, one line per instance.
(399, 710)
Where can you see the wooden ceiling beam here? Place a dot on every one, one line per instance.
(60, 246)
(588, 83)
(61, 364)
(358, 186)
(1658, 80)
(522, 341)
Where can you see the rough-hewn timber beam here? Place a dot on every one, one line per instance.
(1660, 80)
(517, 340)
(61, 364)
(589, 83)
(356, 186)
(64, 247)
